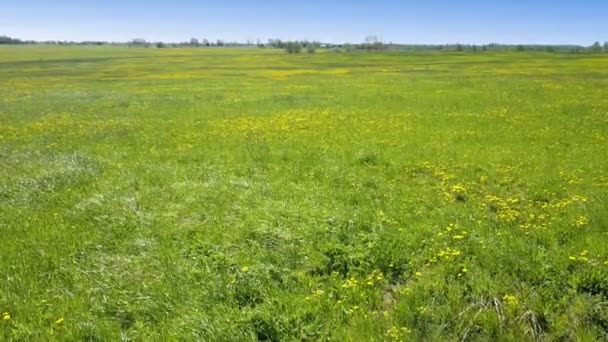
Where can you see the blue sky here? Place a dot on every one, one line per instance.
(433, 21)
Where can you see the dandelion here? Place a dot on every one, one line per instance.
(418, 274)
(582, 221)
(458, 237)
(60, 320)
(397, 334)
(6, 316)
(572, 258)
(245, 269)
(350, 283)
(510, 300)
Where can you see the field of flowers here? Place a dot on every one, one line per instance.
(247, 194)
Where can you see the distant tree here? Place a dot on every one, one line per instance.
(293, 47)
(276, 43)
(605, 47)
(549, 48)
(474, 48)
(279, 44)
(520, 48)
(9, 40)
(138, 42)
(483, 48)
(219, 42)
(161, 45)
(373, 43)
(311, 47)
(596, 47)
(459, 47)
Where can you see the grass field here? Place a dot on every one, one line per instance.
(243, 194)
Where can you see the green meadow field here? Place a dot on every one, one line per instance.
(247, 194)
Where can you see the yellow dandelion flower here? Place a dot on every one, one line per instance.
(582, 221)
(510, 300)
(60, 320)
(6, 316)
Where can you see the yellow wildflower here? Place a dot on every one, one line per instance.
(510, 300)
(582, 221)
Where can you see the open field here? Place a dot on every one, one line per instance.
(242, 194)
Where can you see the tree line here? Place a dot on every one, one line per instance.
(370, 44)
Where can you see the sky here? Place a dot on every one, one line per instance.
(580, 22)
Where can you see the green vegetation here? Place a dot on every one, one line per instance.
(240, 194)
(293, 47)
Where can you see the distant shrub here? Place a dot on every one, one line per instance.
(605, 47)
(596, 47)
(139, 42)
(520, 48)
(293, 47)
(161, 45)
(311, 47)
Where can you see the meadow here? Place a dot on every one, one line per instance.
(247, 194)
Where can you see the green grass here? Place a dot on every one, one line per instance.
(242, 194)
